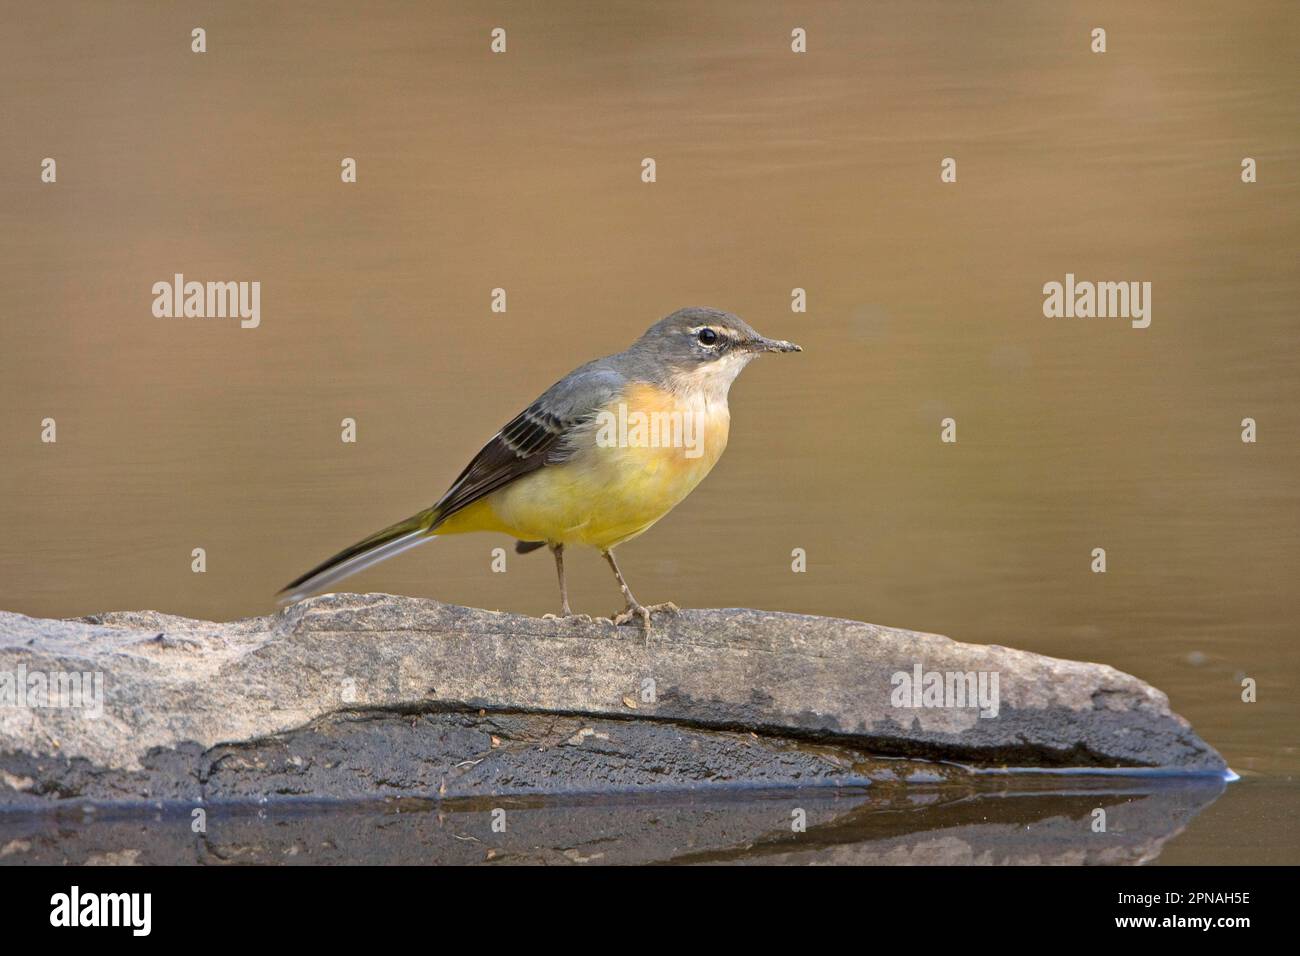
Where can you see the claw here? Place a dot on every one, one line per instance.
(634, 610)
(631, 611)
(568, 616)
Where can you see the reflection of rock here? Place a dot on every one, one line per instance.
(351, 696)
(1020, 822)
(987, 821)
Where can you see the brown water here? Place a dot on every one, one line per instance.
(775, 171)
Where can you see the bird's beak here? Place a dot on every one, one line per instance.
(763, 344)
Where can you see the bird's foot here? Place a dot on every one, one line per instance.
(567, 615)
(634, 610)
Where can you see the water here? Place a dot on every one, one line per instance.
(988, 822)
(775, 171)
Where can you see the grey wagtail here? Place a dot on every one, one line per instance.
(605, 452)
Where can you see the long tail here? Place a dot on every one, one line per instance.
(381, 545)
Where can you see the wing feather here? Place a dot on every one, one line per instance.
(538, 436)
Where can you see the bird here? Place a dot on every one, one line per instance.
(595, 461)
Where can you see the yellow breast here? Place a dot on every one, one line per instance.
(648, 450)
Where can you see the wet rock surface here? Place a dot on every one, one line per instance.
(364, 696)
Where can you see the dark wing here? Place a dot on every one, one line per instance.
(536, 437)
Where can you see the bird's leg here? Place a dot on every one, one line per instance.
(634, 607)
(565, 610)
(558, 551)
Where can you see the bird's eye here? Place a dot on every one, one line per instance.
(707, 337)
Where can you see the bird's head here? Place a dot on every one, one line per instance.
(704, 347)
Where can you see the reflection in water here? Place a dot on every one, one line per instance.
(1012, 821)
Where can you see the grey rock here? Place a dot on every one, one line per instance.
(354, 696)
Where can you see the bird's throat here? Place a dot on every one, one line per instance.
(709, 384)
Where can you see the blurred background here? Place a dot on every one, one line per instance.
(775, 171)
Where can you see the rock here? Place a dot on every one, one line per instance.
(356, 696)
